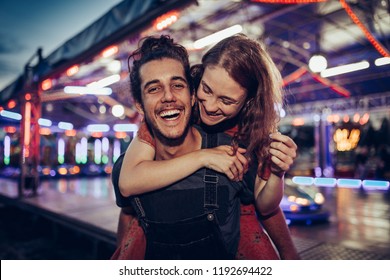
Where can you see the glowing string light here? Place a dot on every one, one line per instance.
(377, 45)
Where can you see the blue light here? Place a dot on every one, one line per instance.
(325, 182)
(300, 180)
(351, 183)
(376, 184)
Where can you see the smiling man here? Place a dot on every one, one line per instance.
(196, 217)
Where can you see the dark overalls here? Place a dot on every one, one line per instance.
(180, 222)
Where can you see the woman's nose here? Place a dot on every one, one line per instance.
(210, 105)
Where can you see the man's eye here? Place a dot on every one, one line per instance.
(153, 89)
(178, 86)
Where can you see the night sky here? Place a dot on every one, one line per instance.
(26, 25)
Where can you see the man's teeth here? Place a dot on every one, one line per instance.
(169, 113)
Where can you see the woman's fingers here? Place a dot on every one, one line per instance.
(283, 151)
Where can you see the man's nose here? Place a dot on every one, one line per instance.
(168, 96)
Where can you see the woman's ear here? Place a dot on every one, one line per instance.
(139, 108)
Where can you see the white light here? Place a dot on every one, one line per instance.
(118, 110)
(117, 150)
(87, 90)
(11, 115)
(98, 128)
(7, 146)
(218, 36)
(61, 147)
(382, 61)
(114, 66)
(44, 122)
(105, 82)
(128, 127)
(65, 125)
(105, 145)
(345, 69)
(98, 151)
(317, 63)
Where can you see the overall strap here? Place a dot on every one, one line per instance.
(210, 178)
(137, 206)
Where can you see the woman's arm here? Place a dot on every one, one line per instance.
(277, 229)
(140, 173)
(269, 193)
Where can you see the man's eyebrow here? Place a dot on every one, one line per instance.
(175, 78)
(151, 82)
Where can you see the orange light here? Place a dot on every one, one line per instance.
(70, 133)
(110, 51)
(72, 70)
(74, 170)
(120, 134)
(44, 131)
(27, 124)
(364, 119)
(46, 171)
(97, 134)
(356, 117)
(298, 122)
(27, 96)
(11, 104)
(46, 84)
(108, 169)
(165, 20)
(62, 171)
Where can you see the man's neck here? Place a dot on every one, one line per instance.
(192, 142)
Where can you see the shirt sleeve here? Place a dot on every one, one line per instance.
(120, 200)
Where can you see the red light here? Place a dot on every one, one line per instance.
(11, 104)
(382, 50)
(10, 129)
(27, 96)
(294, 76)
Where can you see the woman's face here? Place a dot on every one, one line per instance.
(219, 96)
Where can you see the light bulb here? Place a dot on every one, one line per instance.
(317, 63)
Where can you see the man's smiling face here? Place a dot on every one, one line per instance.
(167, 101)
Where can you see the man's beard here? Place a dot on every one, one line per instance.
(166, 141)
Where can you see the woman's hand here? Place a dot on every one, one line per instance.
(222, 159)
(283, 151)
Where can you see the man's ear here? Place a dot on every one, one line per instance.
(139, 108)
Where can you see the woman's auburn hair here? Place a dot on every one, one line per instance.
(250, 65)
